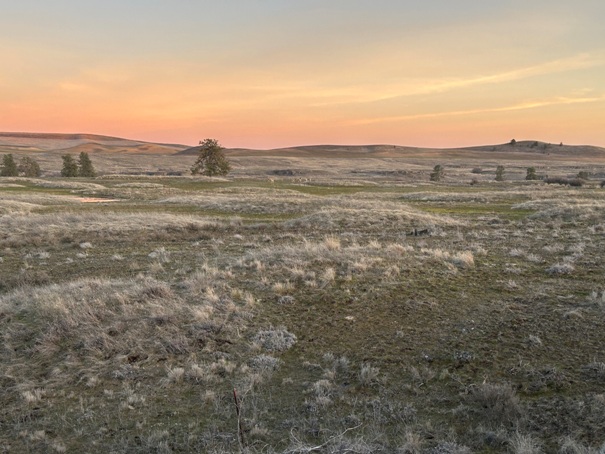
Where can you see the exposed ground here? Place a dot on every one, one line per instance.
(131, 306)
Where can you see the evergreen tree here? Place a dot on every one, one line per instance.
(531, 174)
(437, 173)
(9, 168)
(211, 160)
(86, 168)
(29, 167)
(70, 166)
(500, 173)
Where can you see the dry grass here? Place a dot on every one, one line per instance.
(126, 326)
(50, 228)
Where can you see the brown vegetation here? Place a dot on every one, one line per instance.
(127, 325)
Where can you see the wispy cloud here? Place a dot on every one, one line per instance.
(581, 61)
(519, 106)
(389, 91)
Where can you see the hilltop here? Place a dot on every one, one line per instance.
(11, 142)
(75, 143)
(529, 149)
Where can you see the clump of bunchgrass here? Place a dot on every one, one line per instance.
(328, 276)
(175, 374)
(495, 403)
(368, 374)
(570, 446)
(283, 288)
(598, 300)
(525, 444)
(160, 254)
(463, 259)
(332, 243)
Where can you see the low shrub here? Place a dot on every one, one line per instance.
(574, 182)
(561, 268)
(275, 339)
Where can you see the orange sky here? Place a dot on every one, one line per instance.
(267, 74)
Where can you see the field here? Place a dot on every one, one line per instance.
(353, 305)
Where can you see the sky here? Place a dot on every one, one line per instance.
(274, 73)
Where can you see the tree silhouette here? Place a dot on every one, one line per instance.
(211, 160)
(9, 168)
(70, 166)
(437, 173)
(531, 174)
(86, 168)
(29, 167)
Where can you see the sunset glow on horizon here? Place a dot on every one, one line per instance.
(267, 74)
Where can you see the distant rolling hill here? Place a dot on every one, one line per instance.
(520, 150)
(75, 143)
(11, 142)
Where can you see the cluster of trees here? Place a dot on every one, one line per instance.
(531, 174)
(211, 161)
(82, 168)
(27, 167)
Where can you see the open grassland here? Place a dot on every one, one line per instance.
(131, 307)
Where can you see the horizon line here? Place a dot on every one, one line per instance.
(365, 144)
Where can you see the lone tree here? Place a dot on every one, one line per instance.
(86, 168)
(70, 166)
(531, 174)
(500, 173)
(211, 160)
(513, 142)
(29, 167)
(9, 168)
(437, 173)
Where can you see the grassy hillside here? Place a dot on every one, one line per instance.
(522, 150)
(357, 311)
(37, 142)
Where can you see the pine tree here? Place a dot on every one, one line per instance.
(531, 174)
(86, 168)
(29, 167)
(437, 173)
(211, 160)
(70, 166)
(500, 173)
(9, 168)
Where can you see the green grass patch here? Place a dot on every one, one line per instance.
(472, 210)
